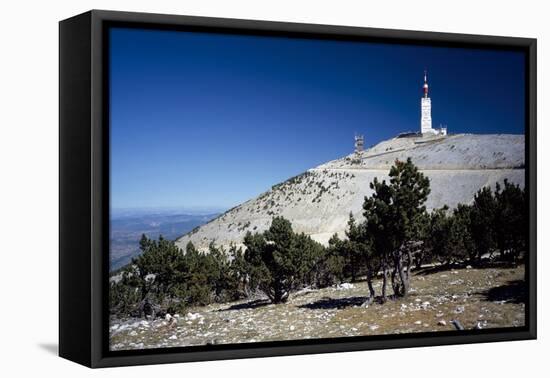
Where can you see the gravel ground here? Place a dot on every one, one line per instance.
(477, 298)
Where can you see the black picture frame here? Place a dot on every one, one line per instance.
(84, 188)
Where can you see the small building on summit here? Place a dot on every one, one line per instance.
(426, 113)
(426, 129)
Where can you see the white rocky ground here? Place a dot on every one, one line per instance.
(477, 298)
(319, 201)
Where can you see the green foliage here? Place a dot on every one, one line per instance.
(237, 275)
(493, 222)
(396, 231)
(330, 269)
(158, 269)
(482, 216)
(436, 242)
(447, 236)
(394, 217)
(172, 279)
(460, 245)
(410, 190)
(353, 250)
(122, 295)
(198, 277)
(280, 260)
(511, 223)
(310, 254)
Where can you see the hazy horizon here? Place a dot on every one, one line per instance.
(131, 211)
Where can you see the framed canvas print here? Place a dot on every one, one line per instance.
(233, 188)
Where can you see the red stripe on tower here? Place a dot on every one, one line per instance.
(425, 83)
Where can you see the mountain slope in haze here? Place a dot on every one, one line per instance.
(318, 202)
(127, 228)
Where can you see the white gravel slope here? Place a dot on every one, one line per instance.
(319, 201)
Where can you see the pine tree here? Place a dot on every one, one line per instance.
(437, 235)
(238, 274)
(331, 266)
(460, 244)
(482, 217)
(394, 215)
(278, 259)
(511, 223)
(196, 283)
(353, 249)
(307, 257)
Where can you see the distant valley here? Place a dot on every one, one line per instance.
(128, 226)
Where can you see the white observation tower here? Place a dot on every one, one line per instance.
(426, 112)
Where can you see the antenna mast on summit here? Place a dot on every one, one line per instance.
(359, 143)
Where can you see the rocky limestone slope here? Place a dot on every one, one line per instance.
(318, 202)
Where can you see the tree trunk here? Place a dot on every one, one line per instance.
(409, 263)
(143, 290)
(384, 280)
(418, 263)
(394, 283)
(269, 292)
(404, 284)
(371, 288)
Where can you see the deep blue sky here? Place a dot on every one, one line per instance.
(208, 121)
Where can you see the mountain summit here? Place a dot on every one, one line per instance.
(318, 201)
